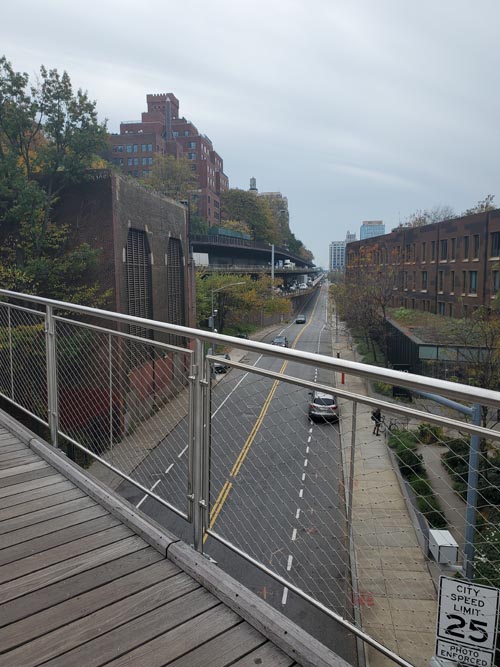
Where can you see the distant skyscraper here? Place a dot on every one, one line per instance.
(371, 228)
(337, 256)
(337, 253)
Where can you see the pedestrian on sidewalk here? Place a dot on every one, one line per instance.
(377, 419)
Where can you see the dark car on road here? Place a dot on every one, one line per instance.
(219, 365)
(323, 407)
(282, 341)
(300, 319)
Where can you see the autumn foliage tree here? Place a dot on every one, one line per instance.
(235, 303)
(49, 137)
(172, 177)
(365, 295)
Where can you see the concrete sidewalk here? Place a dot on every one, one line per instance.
(396, 595)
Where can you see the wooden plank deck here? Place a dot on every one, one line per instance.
(79, 587)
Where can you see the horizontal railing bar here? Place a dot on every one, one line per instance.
(359, 398)
(305, 596)
(121, 334)
(124, 475)
(454, 390)
(18, 405)
(24, 309)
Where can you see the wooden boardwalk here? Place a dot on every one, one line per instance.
(79, 587)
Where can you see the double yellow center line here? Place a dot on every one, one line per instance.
(222, 497)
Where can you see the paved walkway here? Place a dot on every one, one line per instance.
(441, 482)
(396, 596)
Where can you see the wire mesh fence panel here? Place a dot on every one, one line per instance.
(277, 488)
(23, 365)
(127, 401)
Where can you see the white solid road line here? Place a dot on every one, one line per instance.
(305, 463)
(303, 476)
(297, 513)
(169, 468)
(294, 535)
(301, 493)
(285, 595)
(289, 564)
(179, 455)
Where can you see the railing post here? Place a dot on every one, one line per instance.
(51, 360)
(199, 484)
(471, 509)
(11, 354)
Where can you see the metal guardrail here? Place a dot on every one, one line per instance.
(139, 397)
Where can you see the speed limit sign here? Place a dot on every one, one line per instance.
(467, 622)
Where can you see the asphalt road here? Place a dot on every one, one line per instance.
(276, 487)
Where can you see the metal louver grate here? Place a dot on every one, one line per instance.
(138, 269)
(175, 278)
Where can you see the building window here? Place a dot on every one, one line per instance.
(495, 244)
(191, 156)
(440, 281)
(466, 247)
(424, 251)
(453, 249)
(441, 308)
(495, 281)
(129, 148)
(145, 173)
(144, 148)
(452, 281)
(186, 133)
(193, 167)
(118, 149)
(150, 160)
(424, 280)
(192, 144)
(433, 251)
(129, 161)
(136, 161)
(443, 254)
(450, 310)
(472, 282)
(175, 134)
(464, 282)
(135, 148)
(476, 246)
(407, 252)
(144, 161)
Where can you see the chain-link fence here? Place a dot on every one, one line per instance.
(273, 453)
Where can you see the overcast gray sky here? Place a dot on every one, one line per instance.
(354, 109)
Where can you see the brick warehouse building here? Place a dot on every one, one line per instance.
(144, 263)
(161, 131)
(448, 268)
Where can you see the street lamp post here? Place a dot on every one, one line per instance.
(272, 266)
(213, 291)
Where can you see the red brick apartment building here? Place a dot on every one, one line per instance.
(449, 268)
(160, 130)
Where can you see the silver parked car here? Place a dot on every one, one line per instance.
(323, 407)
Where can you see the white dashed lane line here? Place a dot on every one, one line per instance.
(145, 496)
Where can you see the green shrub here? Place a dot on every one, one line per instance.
(421, 486)
(429, 434)
(404, 437)
(383, 388)
(431, 510)
(409, 460)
